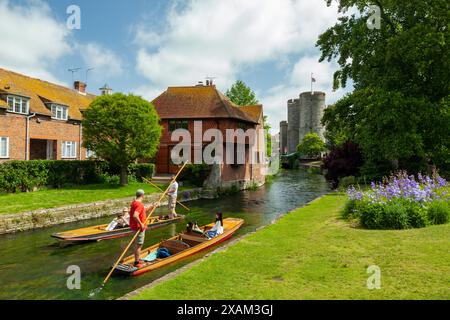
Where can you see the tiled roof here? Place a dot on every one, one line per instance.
(198, 102)
(255, 111)
(40, 92)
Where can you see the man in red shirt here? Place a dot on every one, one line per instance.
(138, 219)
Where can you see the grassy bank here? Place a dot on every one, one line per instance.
(53, 198)
(313, 254)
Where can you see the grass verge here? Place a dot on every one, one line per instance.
(312, 254)
(53, 198)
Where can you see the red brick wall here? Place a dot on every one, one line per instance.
(14, 127)
(229, 172)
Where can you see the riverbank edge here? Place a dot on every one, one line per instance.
(221, 248)
(38, 219)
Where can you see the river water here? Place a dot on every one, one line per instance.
(33, 266)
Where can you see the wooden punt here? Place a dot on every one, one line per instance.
(98, 233)
(180, 246)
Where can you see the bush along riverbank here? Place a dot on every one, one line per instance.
(400, 202)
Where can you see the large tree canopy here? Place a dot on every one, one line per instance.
(121, 129)
(399, 111)
(241, 95)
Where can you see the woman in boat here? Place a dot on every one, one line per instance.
(121, 221)
(218, 227)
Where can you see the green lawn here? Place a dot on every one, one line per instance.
(52, 198)
(312, 254)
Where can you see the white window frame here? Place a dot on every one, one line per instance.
(63, 110)
(18, 104)
(7, 147)
(73, 150)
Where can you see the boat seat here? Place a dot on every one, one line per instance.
(193, 238)
(174, 246)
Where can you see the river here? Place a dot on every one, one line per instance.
(33, 266)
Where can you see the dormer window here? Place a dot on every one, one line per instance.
(18, 104)
(59, 112)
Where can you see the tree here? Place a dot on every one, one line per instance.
(311, 146)
(267, 128)
(121, 129)
(399, 112)
(241, 95)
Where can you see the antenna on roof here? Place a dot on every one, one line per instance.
(73, 70)
(210, 80)
(87, 72)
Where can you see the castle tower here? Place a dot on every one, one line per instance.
(311, 113)
(293, 129)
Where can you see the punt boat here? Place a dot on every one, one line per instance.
(98, 233)
(179, 247)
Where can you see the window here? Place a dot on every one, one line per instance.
(18, 104)
(178, 124)
(4, 147)
(69, 150)
(59, 112)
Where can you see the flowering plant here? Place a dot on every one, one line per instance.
(400, 201)
(401, 186)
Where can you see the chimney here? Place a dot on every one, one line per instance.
(106, 90)
(80, 87)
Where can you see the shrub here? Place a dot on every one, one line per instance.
(342, 161)
(22, 176)
(417, 215)
(439, 212)
(400, 202)
(62, 172)
(16, 176)
(346, 182)
(351, 210)
(141, 170)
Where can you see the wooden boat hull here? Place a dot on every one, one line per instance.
(231, 225)
(99, 233)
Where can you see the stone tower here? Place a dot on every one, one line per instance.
(311, 113)
(304, 116)
(293, 130)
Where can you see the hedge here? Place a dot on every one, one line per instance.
(16, 176)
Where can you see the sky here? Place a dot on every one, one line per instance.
(145, 46)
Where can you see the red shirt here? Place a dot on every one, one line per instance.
(139, 207)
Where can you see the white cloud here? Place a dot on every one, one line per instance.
(105, 62)
(221, 37)
(31, 39)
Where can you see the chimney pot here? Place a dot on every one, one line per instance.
(80, 87)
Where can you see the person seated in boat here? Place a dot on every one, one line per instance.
(121, 221)
(218, 227)
(196, 228)
(193, 228)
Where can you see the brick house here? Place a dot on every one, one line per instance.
(40, 120)
(186, 107)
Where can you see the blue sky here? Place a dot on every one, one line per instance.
(143, 46)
